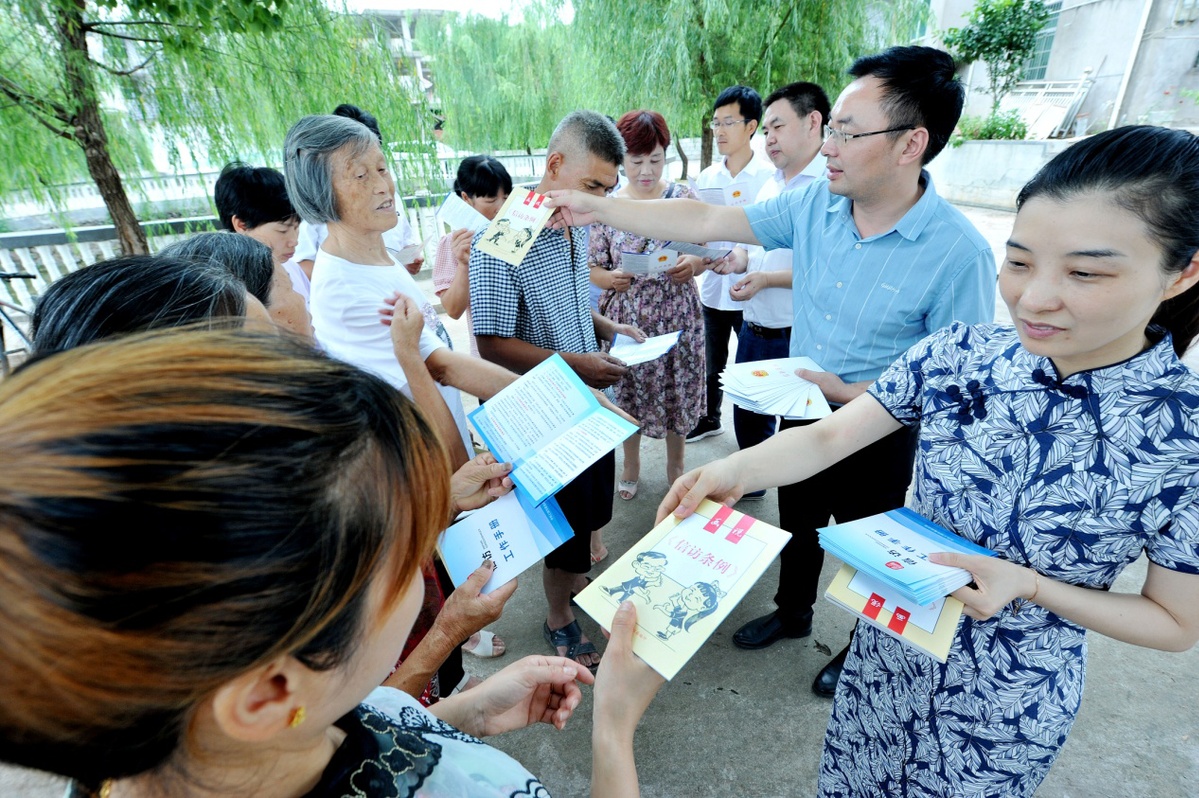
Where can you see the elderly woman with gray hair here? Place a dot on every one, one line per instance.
(337, 175)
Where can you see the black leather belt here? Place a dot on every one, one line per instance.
(768, 332)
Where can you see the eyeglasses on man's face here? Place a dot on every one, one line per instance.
(716, 124)
(840, 136)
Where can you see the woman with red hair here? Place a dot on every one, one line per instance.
(666, 395)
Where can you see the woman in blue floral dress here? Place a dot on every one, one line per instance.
(1069, 445)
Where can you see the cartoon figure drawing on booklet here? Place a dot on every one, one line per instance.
(689, 575)
(648, 567)
(688, 606)
(510, 236)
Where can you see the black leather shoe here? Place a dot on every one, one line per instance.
(825, 685)
(769, 629)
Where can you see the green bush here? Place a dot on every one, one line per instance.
(1004, 126)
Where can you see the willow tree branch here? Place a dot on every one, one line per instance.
(42, 109)
(124, 73)
(127, 37)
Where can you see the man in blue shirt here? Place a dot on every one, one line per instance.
(879, 261)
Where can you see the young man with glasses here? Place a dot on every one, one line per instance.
(793, 124)
(879, 261)
(736, 115)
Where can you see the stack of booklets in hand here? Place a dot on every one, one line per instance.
(770, 387)
(888, 580)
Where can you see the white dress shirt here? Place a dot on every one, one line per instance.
(714, 288)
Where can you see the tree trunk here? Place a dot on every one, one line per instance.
(678, 147)
(705, 146)
(89, 130)
(705, 136)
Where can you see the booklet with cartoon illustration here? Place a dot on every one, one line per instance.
(511, 233)
(512, 532)
(928, 629)
(550, 426)
(685, 578)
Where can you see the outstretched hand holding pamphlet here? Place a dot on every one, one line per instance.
(512, 232)
(685, 576)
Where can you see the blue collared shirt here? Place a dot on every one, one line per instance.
(860, 303)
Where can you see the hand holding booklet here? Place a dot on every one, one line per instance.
(893, 547)
(511, 234)
(685, 577)
(888, 580)
(512, 532)
(550, 426)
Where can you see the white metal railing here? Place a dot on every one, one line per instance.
(179, 188)
(1049, 107)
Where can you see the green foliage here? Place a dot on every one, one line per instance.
(999, 126)
(1002, 34)
(214, 80)
(503, 86)
(506, 86)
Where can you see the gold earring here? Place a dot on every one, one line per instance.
(297, 717)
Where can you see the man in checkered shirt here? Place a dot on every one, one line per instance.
(523, 314)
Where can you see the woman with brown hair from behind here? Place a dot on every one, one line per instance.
(207, 564)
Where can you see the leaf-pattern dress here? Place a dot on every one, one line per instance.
(1075, 478)
(667, 394)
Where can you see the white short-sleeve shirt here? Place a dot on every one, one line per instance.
(771, 307)
(345, 302)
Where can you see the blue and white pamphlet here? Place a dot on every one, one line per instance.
(512, 532)
(550, 426)
(893, 548)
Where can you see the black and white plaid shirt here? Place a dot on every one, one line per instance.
(544, 301)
